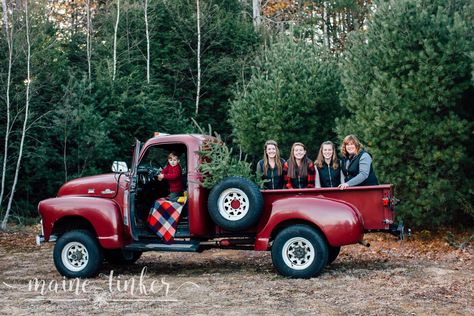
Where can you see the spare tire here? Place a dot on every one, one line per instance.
(235, 203)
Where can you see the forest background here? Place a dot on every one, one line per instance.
(80, 79)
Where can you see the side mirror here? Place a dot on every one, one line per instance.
(119, 166)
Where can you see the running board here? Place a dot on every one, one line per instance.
(180, 246)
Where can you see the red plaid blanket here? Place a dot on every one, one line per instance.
(163, 218)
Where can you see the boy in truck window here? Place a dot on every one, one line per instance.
(172, 173)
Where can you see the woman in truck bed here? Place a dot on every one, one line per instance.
(298, 170)
(357, 164)
(271, 166)
(328, 167)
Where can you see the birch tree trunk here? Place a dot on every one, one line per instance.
(65, 152)
(115, 40)
(147, 44)
(257, 20)
(88, 38)
(9, 38)
(328, 25)
(198, 54)
(25, 121)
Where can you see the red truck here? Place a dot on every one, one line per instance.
(104, 217)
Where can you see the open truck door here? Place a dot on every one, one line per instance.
(129, 217)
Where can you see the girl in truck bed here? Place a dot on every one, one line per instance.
(298, 170)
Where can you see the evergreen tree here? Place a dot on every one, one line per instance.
(292, 95)
(408, 83)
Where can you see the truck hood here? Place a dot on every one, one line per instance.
(104, 186)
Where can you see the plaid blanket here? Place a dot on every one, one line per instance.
(163, 218)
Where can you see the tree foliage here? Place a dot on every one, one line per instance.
(408, 82)
(219, 162)
(292, 95)
(323, 22)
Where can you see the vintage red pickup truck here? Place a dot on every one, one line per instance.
(104, 217)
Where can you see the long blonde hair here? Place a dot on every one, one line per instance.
(293, 166)
(320, 159)
(351, 139)
(277, 157)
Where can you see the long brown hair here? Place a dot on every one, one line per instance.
(293, 166)
(351, 139)
(320, 159)
(277, 157)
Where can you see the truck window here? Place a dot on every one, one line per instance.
(149, 188)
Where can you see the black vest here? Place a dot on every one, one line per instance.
(350, 169)
(328, 176)
(276, 181)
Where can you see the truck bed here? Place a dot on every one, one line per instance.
(368, 200)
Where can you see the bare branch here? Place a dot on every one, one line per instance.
(88, 39)
(198, 57)
(115, 39)
(147, 44)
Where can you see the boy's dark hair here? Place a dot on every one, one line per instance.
(173, 154)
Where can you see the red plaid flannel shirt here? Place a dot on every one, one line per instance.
(307, 182)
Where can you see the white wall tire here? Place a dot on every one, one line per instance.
(299, 251)
(77, 254)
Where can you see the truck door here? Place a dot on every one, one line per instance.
(130, 194)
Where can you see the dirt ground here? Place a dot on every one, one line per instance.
(421, 276)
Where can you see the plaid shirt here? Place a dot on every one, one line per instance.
(298, 182)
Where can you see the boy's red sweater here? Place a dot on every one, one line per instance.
(173, 175)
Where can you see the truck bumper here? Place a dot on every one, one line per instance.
(400, 231)
(40, 239)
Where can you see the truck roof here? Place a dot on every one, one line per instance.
(178, 138)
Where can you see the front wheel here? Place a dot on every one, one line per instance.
(77, 254)
(299, 251)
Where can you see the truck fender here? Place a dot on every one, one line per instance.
(103, 215)
(340, 222)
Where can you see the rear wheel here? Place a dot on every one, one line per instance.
(77, 254)
(120, 256)
(333, 253)
(299, 251)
